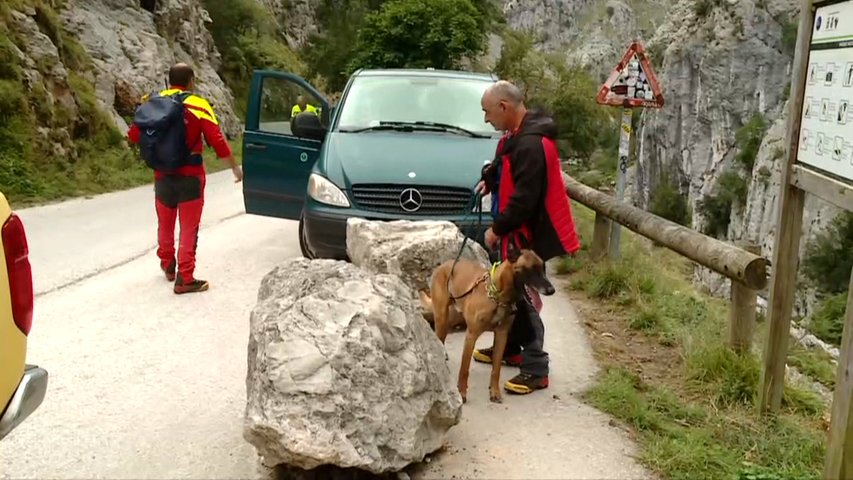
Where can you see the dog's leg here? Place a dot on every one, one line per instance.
(465, 364)
(501, 335)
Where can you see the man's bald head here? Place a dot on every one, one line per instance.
(503, 105)
(181, 75)
(503, 90)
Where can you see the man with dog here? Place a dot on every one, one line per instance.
(530, 209)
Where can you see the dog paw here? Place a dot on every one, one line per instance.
(496, 398)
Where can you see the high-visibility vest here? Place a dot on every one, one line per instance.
(296, 110)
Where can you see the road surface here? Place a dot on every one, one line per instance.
(146, 384)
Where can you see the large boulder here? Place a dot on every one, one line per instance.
(409, 249)
(343, 371)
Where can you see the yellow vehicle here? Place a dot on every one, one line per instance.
(22, 386)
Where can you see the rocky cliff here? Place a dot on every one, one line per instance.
(724, 64)
(132, 49)
(593, 33)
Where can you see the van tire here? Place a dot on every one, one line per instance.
(303, 245)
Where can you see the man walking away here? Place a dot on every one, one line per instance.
(532, 211)
(169, 127)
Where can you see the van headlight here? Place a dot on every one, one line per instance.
(324, 191)
(485, 202)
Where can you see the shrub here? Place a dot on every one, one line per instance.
(669, 203)
(717, 208)
(748, 140)
(416, 34)
(828, 260)
(827, 323)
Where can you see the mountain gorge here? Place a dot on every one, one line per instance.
(72, 71)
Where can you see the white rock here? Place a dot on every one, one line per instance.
(409, 249)
(343, 371)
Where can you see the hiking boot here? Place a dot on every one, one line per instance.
(170, 270)
(485, 356)
(193, 286)
(525, 383)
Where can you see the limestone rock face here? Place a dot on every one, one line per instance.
(132, 50)
(343, 371)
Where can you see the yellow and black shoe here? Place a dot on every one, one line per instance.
(485, 356)
(525, 383)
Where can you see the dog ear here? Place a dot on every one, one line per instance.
(512, 252)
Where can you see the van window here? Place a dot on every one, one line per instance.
(455, 101)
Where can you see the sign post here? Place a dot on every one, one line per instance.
(632, 84)
(819, 161)
(621, 173)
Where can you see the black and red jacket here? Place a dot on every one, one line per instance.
(533, 208)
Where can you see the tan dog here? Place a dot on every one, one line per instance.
(486, 299)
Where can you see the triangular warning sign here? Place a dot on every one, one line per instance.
(632, 84)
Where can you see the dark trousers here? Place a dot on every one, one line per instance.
(527, 335)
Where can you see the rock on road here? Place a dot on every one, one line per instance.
(147, 384)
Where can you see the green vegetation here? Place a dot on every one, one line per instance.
(328, 52)
(827, 262)
(248, 38)
(339, 47)
(416, 34)
(669, 376)
(789, 35)
(568, 93)
(826, 265)
(748, 140)
(717, 207)
(55, 150)
(827, 322)
(669, 203)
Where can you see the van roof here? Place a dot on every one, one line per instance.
(424, 72)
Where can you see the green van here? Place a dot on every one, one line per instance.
(401, 144)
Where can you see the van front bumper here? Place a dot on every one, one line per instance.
(26, 400)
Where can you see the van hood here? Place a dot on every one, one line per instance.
(413, 158)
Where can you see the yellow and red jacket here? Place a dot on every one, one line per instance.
(200, 121)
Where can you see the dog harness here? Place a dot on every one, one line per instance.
(492, 290)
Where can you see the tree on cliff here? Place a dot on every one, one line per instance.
(418, 34)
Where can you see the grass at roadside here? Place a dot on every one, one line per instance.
(105, 171)
(669, 377)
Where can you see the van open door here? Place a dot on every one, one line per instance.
(277, 161)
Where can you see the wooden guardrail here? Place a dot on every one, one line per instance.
(740, 263)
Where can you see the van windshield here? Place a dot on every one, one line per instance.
(391, 99)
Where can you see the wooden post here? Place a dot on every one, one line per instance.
(839, 451)
(601, 236)
(789, 224)
(742, 310)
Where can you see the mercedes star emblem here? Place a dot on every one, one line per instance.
(410, 200)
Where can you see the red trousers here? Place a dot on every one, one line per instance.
(179, 197)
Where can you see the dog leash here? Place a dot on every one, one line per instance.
(475, 206)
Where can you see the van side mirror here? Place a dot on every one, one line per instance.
(308, 125)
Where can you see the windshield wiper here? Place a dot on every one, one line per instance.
(443, 126)
(411, 126)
